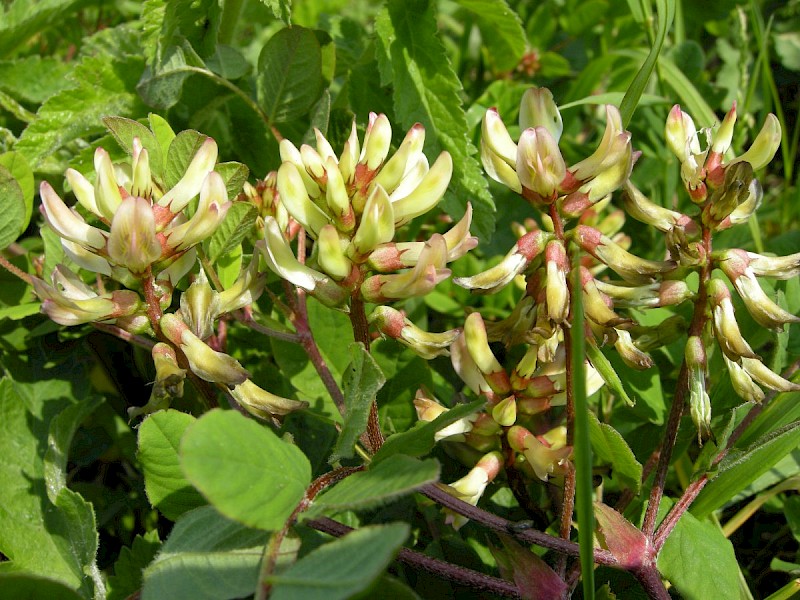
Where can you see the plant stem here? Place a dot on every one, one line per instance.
(248, 321)
(118, 332)
(478, 582)
(650, 580)
(15, 270)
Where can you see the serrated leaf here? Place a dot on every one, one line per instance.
(611, 448)
(182, 149)
(426, 89)
(699, 561)
(342, 568)
(234, 174)
(289, 79)
(246, 471)
(741, 467)
(396, 476)
(159, 440)
(234, 228)
(12, 205)
(33, 78)
(419, 440)
(124, 130)
(501, 31)
(206, 557)
(162, 85)
(362, 380)
(101, 84)
(130, 564)
(21, 171)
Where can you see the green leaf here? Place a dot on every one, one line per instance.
(246, 471)
(362, 380)
(501, 31)
(182, 149)
(396, 476)
(21, 171)
(289, 78)
(101, 84)
(742, 467)
(234, 174)
(234, 228)
(412, 58)
(699, 561)
(228, 62)
(162, 86)
(33, 78)
(20, 311)
(12, 203)
(281, 9)
(229, 266)
(27, 586)
(124, 130)
(162, 131)
(342, 568)
(612, 448)
(591, 13)
(206, 557)
(607, 372)
(22, 20)
(159, 440)
(419, 440)
(132, 561)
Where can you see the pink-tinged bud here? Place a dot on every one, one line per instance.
(614, 148)
(765, 312)
(324, 148)
(766, 377)
(726, 329)
(106, 189)
(330, 255)
(515, 262)
(545, 460)
(467, 370)
(263, 404)
(739, 187)
(742, 383)
(764, 146)
(724, 135)
(418, 281)
(350, 154)
(206, 363)
(294, 197)
(392, 323)
(406, 156)
(779, 267)
(540, 166)
(495, 137)
(377, 140)
(200, 307)
(557, 293)
(470, 488)
(132, 242)
(67, 223)
(478, 347)
(629, 353)
(429, 409)
(538, 109)
(533, 406)
(681, 134)
(83, 190)
(484, 425)
(699, 402)
(505, 411)
(337, 197)
(427, 194)
(631, 268)
(663, 219)
(377, 224)
(211, 211)
(543, 386)
(312, 162)
(189, 185)
(596, 305)
(616, 534)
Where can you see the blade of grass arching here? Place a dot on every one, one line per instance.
(665, 10)
(581, 440)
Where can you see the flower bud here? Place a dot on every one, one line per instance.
(83, 190)
(330, 255)
(478, 348)
(557, 292)
(337, 198)
(206, 363)
(540, 166)
(545, 459)
(663, 219)
(211, 211)
(426, 194)
(132, 242)
(406, 156)
(726, 329)
(141, 179)
(764, 146)
(189, 185)
(377, 140)
(261, 403)
(350, 154)
(631, 268)
(377, 223)
(106, 189)
(470, 488)
(681, 134)
(67, 223)
(392, 323)
(290, 154)
(724, 135)
(699, 402)
(467, 370)
(505, 411)
(200, 307)
(294, 197)
(538, 109)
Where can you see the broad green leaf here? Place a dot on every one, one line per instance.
(234, 174)
(699, 561)
(20, 311)
(229, 266)
(21, 171)
(182, 149)
(342, 568)
(650, 401)
(162, 131)
(396, 476)
(23, 20)
(12, 201)
(742, 467)
(27, 586)
(289, 79)
(783, 409)
(206, 557)
(33, 78)
(162, 85)
(501, 31)
(361, 382)
(590, 13)
(124, 130)
(56, 539)
(234, 228)
(281, 9)
(159, 441)
(412, 58)
(405, 373)
(101, 84)
(128, 568)
(612, 448)
(246, 471)
(419, 440)
(228, 62)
